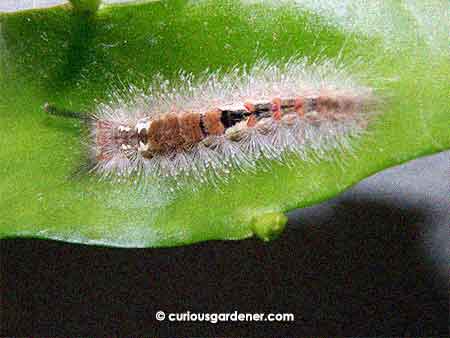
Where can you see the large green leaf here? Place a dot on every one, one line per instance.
(75, 59)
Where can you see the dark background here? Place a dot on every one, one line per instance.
(373, 261)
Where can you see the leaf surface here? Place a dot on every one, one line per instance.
(75, 60)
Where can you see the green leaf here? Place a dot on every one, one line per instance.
(85, 6)
(75, 60)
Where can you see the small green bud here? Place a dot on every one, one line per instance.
(269, 226)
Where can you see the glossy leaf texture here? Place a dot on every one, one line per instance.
(75, 60)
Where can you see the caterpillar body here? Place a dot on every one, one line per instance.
(231, 120)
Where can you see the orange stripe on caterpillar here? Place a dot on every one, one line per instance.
(251, 121)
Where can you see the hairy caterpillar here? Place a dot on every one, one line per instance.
(232, 120)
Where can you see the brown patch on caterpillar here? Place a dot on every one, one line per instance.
(326, 105)
(213, 123)
(190, 128)
(165, 133)
(102, 139)
(348, 105)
